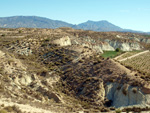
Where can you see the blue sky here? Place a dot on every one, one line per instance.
(129, 14)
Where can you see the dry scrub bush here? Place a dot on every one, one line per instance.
(134, 90)
(125, 89)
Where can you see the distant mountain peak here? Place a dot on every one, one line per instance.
(31, 22)
(102, 25)
(42, 22)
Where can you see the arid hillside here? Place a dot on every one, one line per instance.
(63, 71)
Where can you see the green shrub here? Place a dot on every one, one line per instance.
(117, 50)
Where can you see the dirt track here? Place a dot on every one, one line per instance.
(133, 56)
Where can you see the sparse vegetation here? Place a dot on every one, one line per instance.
(37, 72)
(139, 63)
(128, 54)
(135, 109)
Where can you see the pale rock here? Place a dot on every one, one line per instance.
(135, 39)
(131, 98)
(98, 49)
(101, 93)
(64, 41)
(118, 36)
(146, 41)
(25, 80)
(24, 51)
(2, 54)
(106, 47)
(125, 46)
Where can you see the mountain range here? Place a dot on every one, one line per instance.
(41, 22)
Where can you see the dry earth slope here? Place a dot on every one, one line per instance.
(62, 70)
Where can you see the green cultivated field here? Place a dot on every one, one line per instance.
(111, 54)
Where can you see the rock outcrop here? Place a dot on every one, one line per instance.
(107, 44)
(64, 41)
(112, 45)
(106, 47)
(145, 40)
(126, 95)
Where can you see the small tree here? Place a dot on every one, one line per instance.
(117, 50)
(19, 31)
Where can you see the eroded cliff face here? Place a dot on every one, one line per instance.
(103, 43)
(145, 40)
(124, 46)
(106, 47)
(107, 44)
(126, 95)
(112, 45)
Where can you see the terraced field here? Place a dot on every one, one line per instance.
(140, 63)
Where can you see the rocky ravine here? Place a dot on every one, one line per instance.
(115, 82)
(61, 70)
